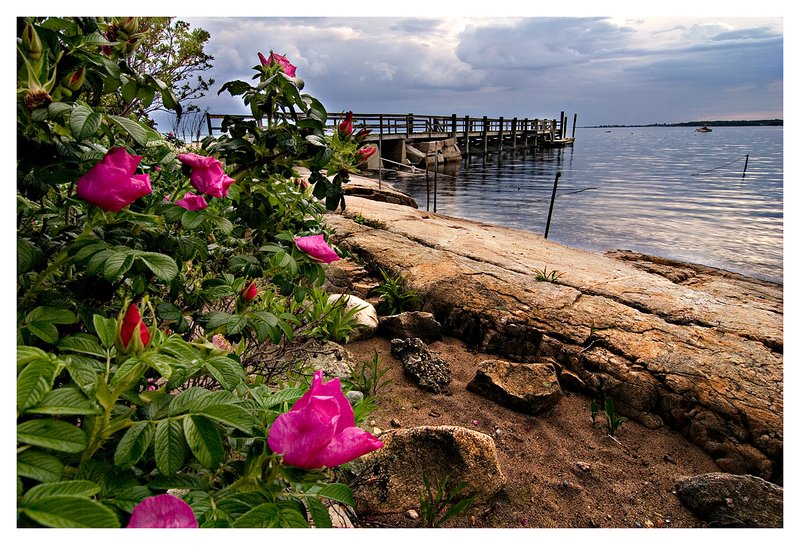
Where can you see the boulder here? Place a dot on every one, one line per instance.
(331, 358)
(410, 324)
(531, 388)
(390, 480)
(366, 318)
(413, 155)
(739, 501)
(422, 365)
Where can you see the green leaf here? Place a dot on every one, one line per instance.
(265, 515)
(52, 434)
(319, 513)
(338, 492)
(33, 383)
(40, 322)
(82, 344)
(27, 354)
(162, 363)
(78, 488)
(39, 466)
(163, 266)
(128, 372)
(117, 265)
(168, 312)
(226, 371)
(134, 444)
(204, 441)
(65, 401)
(217, 319)
(70, 512)
(140, 133)
(83, 122)
(106, 329)
(287, 395)
(236, 324)
(192, 219)
(170, 447)
(84, 372)
(227, 414)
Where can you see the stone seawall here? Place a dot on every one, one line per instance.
(689, 347)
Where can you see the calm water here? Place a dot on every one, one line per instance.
(667, 191)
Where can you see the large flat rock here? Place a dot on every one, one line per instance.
(694, 348)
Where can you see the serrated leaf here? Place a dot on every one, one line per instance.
(337, 492)
(287, 395)
(170, 447)
(27, 354)
(106, 329)
(134, 444)
(192, 219)
(168, 312)
(236, 324)
(163, 266)
(52, 434)
(128, 372)
(39, 466)
(204, 440)
(162, 363)
(70, 512)
(84, 372)
(33, 383)
(117, 265)
(226, 371)
(265, 515)
(83, 122)
(217, 319)
(319, 513)
(183, 401)
(227, 414)
(137, 131)
(65, 401)
(82, 344)
(45, 331)
(77, 488)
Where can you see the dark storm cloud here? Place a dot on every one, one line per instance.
(609, 70)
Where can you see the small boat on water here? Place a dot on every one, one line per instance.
(703, 129)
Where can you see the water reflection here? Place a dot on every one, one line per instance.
(667, 191)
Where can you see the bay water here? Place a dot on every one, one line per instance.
(666, 191)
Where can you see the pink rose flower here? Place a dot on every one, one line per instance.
(190, 201)
(162, 511)
(288, 68)
(130, 322)
(250, 292)
(320, 430)
(316, 247)
(365, 153)
(346, 126)
(111, 184)
(207, 174)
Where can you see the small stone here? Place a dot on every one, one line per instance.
(435, 414)
(376, 431)
(584, 466)
(395, 423)
(412, 514)
(354, 396)
(648, 523)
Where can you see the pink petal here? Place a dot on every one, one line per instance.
(347, 446)
(190, 201)
(162, 511)
(316, 247)
(300, 435)
(111, 183)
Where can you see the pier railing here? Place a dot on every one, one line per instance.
(415, 126)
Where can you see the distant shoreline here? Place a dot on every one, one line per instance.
(754, 123)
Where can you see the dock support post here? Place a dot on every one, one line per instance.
(380, 150)
(435, 178)
(552, 202)
(562, 128)
(746, 160)
(466, 135)
(454, 127)
(485, 135)
(574, 124)
(409, 125)
(500, 136)
(514, 134)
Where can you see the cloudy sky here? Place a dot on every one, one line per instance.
(607, 70)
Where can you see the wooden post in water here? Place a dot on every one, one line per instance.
(746, 160)
(574, 124)
(500, 136)
(454, 126)
(536, 135)
(380, 150)
(485, 135)
(562, 132)
(427, 186)
(409, 124)
(435, 177)
(514, 134)
(552, 202)
(466, 135)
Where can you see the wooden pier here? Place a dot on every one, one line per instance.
(393, 133)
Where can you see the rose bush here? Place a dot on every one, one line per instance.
(117, 401)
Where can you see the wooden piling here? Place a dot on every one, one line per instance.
(485, 135)
(466, 135)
